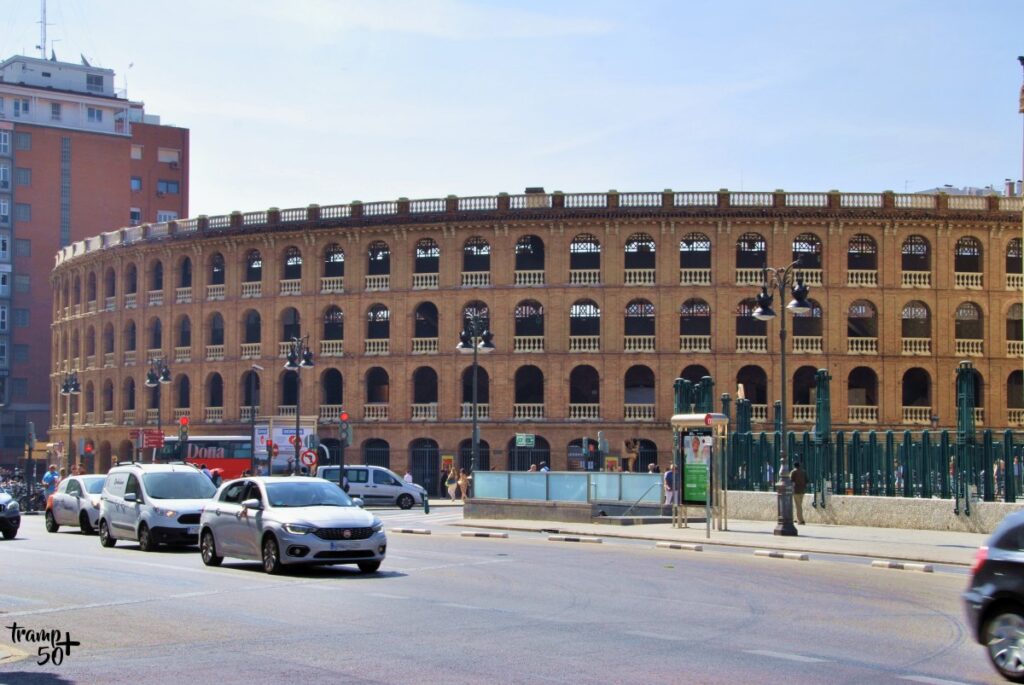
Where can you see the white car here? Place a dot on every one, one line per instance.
(376, 485)
(290, 521)
(75, 503)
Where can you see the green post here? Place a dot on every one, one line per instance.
(929, 464)
(888, 487)
(839, 470)
(910, 470)
(856, 468)
(1009, 470)
(947, 465)
(987, 465)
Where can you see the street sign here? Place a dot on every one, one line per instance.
(152, 437)
(525, 439)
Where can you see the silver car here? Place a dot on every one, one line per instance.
(289, 521)
(75, 503)
(10, 515)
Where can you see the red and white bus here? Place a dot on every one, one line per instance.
(232, 454)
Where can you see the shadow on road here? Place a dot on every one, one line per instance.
(31, 678)
(312, 572)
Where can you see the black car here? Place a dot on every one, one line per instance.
(995, 598)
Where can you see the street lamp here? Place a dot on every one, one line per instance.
(159, 374)
(781, 279)
(473, 340)
(299, 357)
(69, 388)
(252, 420)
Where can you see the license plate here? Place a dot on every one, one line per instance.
(193, 530)
(340, 545)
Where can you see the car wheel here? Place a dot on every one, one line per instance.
(106, 539)
(209, 550)
(271, 556)
(1004, 641)
(406, 501)
(369, 566)
(146, 541)
(51, 522)
(9, 533)
(84, 525)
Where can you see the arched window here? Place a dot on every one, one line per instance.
(585, 388)
(808, 324)
(216, 329)
(861, 320)
(156, 277)
(185, 273)
(128, 394)
(251, 389)
(428, 257)
(129, 337)
(334, 325)
(476, 309)
(289, 384)
(90, 342)
(332, 388)
(746, 324)
(424, 386)
(334, 261)
(1015, 322)
(183, 393)
(291, 326)
(108, 395)
(1014, 266)
(695, 317)
(529, 385)
(529, 253)
(217, 272)
(807, 248)
(108, 339)
(425, 324)
(639, 386)
(1015, 394)
(916, 320)
(292, 268)
(969, 324)
(584, 253)
(131, 280)
(521, 458)
(584, 318)
(751, 251)
(184, 332)
(109, 283)
(90, 287)
(755, 384)
(378, 389)
(694, 373)
(640, 252)
(378, 257)
(804, 384)
(916, 254)
(639, 318)
(253, 327)
(967, 255)
(377, 452)
(476, 255)
(156, 337)
(215, 391)
(378, 323)
(529, 318)
(695, 251)
(862, 388)
(253, 267)
(483, 390)
(917, 388)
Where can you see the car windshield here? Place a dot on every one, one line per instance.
(307, 494)
(178, 485)
(93, 486)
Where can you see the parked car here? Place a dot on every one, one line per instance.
(75, 503)
(995, 597)
(284, 521)
(153, 503)
(376, 485)
(10, 514)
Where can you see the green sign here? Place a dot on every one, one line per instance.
(525, 440)
(695, 482)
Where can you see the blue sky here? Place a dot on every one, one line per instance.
(325, 101)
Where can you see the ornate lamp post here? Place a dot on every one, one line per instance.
(69, 388)
(780, 279)
(475, 340)
(299, 357)
(159, 374)
(252, 420)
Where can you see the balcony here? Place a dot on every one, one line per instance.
(812, 277)
(862, 346)
(862, 414)
(108, 418)
(90, 418)
(90, 307)
(377, 346)
(804, 413)
(286, 410)
(695, 343)
(639, 277)
(757, 344)
(917, 415)
(110, 303)
(247, 413)
(76, 310)
(129, 357)
(584, 412)
(969, 348)
(862, 278)
(152, 416)
(252, 289)
(529, 277)
(638, 343)
(1015, 281)
(214, 353)
(584, 343)
(916, 346)
(90, 361)
(128, 417)
(378, 282)
(916, 279)
(759, 413)
(694, 276)
(182, 354)
(750, 277)
(215, 292)
(377, 411)
(290, 286)
(76, 364)
(424, 345)
(425, 281)
(967, 281)
(283, 348)
(332, 284)
(638, 412)
(108, 360)
(214, 415)
(528, 343)
(329, 413)
(584, 276)
(1016, 416)
(250, 351)
(130, 300)
(476, 279)
(332, 348)
(808, 344)
(183, 295)
(154, 298)
(483, 411)
(1015, 348)
(181, 412)
(424, 412)
(154, 354)
(527, 412)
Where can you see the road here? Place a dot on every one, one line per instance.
(454, 609)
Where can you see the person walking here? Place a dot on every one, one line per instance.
(407, 477)
(452, 482)
(670, 485)
(799, 478)
(463, 484)
(50, 480)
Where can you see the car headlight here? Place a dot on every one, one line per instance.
(378, 525)
(169, 513)
(95, 502)
(12, 505)
(298, 528)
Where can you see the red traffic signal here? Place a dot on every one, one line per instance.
(88, 448)
(183, 422)
(343, 416)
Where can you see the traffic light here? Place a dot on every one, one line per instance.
(344, 429)
(89, 449)
(183, 429)
(272, 448)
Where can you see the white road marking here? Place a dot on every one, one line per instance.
(384, 595)
(657, 636)
(455, 605)
(786, 656)
(930, 680)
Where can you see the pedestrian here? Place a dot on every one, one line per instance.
(533, 468)
(464, 484)
(670, 485)
(407, 477)
(651, 467)
(452, 482)
(544, 467)
(799, 478)
(50, 480)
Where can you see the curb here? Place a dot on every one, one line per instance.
(793, 556)
(680, 545)
(411, 531)
(902, 566)
(570, 538)
(471, 534)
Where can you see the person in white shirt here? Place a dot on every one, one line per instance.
(408, 477)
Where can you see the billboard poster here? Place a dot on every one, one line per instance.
(696, 459)
(282, 436)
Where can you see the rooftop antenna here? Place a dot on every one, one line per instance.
(42, 29)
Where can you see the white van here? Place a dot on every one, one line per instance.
(153, 503)
(376, 485)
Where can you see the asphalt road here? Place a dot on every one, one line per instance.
(450, 609)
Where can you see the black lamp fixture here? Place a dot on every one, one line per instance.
(299, 357)
(475, 340)
(159, 374)
(69, 388)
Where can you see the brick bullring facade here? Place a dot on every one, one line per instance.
(597, 302)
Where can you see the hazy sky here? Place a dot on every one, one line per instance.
(291, 102)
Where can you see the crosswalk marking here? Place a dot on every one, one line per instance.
(786, 656)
